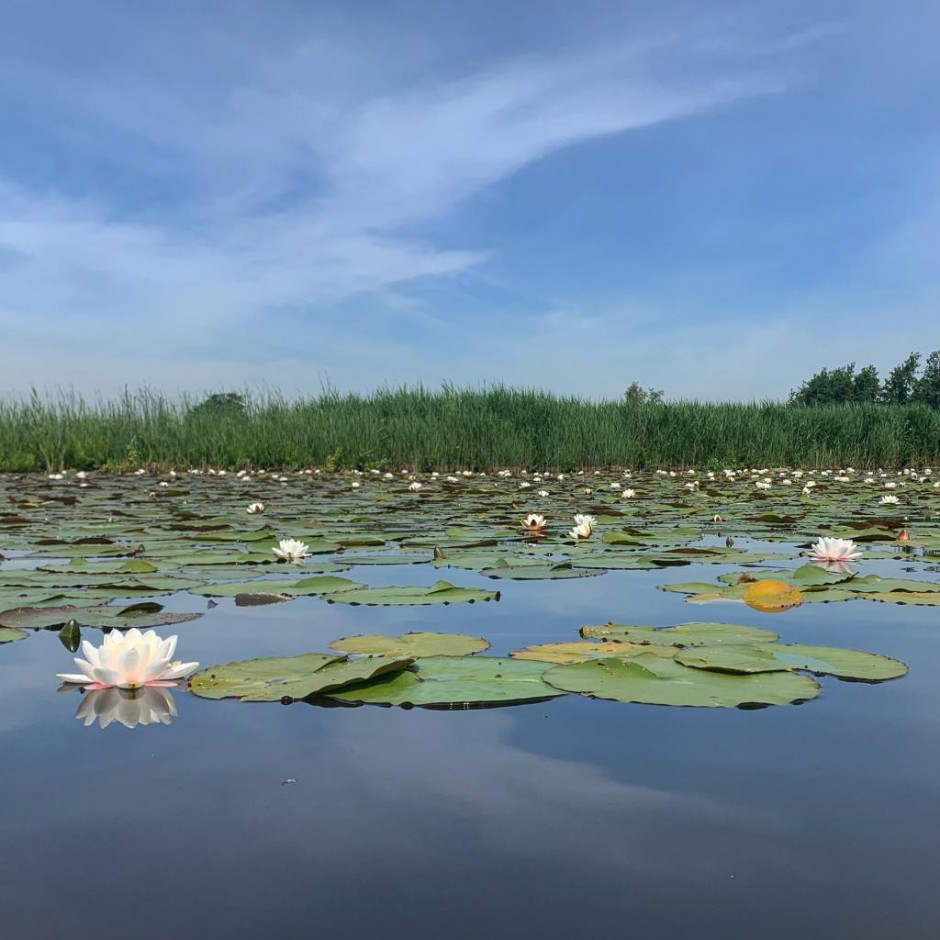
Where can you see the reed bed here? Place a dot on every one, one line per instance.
(451, 429)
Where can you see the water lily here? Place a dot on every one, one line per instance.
(128, 661)
(255, 508)
(131, 707)
(889, 500)
(414, 486)
(291, 550)
(835, 550)
(534, 524)
(584, 519)
(581, 531)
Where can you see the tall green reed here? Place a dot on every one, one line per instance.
(451, 428)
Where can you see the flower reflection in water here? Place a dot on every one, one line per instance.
(146, 705)
(839, 567)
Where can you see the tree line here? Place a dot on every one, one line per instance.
(908, 382)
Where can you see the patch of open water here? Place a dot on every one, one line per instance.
(566, 818)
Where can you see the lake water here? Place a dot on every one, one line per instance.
(571, 818)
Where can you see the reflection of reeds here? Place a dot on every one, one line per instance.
(450, 428)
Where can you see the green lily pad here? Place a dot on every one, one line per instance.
(775, 657)
(543, 572)
(294, 587)
(837, 661)
(579, 651)
(441, 592)
(456, 681)
(684, 634)
(653, 680)
(412, 644)
(142, 616)
(271, 678)
(8, 635)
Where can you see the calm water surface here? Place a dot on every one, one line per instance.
(569, 818)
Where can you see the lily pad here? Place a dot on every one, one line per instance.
(684, 634)
(655, 681)
(8, 635)
(540, 572)
(456, 681)
(441, 592)
(274, 677)
(771, 596)
(296, 587)
(775, 657)
(579, 651)
(412, 644)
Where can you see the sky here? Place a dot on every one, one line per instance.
(716, 200)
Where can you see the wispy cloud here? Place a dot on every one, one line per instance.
(294, 185)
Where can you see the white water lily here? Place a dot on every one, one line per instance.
(534, 524)
(834, 550)
(291, 550)
(584, 519)
(581, 531)
(148, 705)
(628, 493)
(414, 486)
(255, 508)
(128, 661)
(889, 500)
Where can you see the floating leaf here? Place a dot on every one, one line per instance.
(656, 681)
(540, 572)
(268, 679)
(441, 592)
(412, 644)
(456, 681)
(296, 587)
(684, 634)
(578, 651)
(774, 657)
(8, 635)
(771, 596)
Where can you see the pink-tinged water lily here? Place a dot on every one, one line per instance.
(128, 661)
(291, 550)
(835, 550)
(131, 707)
(534, 524)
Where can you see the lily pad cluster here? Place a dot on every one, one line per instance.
(777, 590)
(107, 539)
(692, 664)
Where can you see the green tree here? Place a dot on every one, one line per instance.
(927, 386)
(220, 404)
(838, 386)
(638, 395)
(899, 385)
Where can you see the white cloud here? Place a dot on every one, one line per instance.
(299, 185)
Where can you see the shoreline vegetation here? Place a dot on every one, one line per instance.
(451, 429)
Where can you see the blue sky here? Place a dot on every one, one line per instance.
(713, 199)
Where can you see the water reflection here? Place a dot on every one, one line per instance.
(839, 567)
(147, 705)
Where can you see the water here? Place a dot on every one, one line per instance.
(570, 818)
